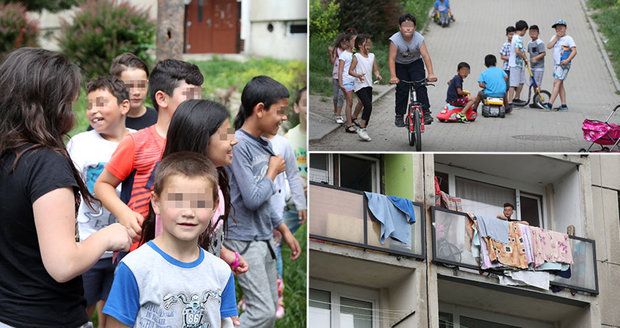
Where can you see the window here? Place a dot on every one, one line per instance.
(456, 316)
(320, 307)
(531, 209)
(443, 179)
(357, 172)
(482, 198)
(341, 306)
(355, 314)
(298, 28)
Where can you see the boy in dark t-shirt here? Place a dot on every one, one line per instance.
(456, 96)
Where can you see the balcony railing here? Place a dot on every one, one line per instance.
(452, 246)
(341, 216)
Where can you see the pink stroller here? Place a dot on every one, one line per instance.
(602, 133)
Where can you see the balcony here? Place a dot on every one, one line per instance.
(452, 246)
(341, 216)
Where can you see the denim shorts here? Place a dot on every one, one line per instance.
(348, 86)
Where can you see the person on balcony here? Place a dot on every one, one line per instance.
(509, 210)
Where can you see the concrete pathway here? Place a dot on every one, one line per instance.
(478, 31)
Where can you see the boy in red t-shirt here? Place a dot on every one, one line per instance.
(133, 162)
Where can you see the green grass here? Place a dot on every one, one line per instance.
(222, 74)
(607, 20)
(295, 284)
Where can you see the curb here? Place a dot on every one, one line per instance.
(601, 46)
(337, 126)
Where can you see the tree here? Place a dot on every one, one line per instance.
(51, 5)
(170, 29)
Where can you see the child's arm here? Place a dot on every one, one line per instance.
(111, 322)
(123, 302)
(290, 240)
(63, 257)
(340, 72)
(375, 69)
(552, 42)
(427, 62)
(229, 257)
(105, 189)
(330, 53)
(228, 303)
(254, 193)
(392, 63)
(352, 69)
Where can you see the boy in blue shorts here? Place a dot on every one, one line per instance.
(492, 81)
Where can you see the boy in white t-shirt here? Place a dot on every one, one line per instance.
(564, 50)
(108, 105)
(517, 60)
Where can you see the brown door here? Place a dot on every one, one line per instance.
(212, 26)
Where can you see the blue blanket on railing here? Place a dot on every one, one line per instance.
(395, 215)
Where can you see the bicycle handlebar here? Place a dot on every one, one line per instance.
(423, 82)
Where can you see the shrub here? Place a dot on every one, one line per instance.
(16, 30)
(101, 30)
(324, 21)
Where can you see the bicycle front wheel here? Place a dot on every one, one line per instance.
(417, 131)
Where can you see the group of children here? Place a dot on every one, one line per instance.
(196, 201)
(352, 72)
(514, 54)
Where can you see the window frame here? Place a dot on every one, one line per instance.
(334, 171)
(336, 291)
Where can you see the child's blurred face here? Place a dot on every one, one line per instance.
(302, 107)
(185, 207)
(270, 119)
(103, 111)
(136, 81)
(560, 30)
(220, 149)
(183, 92)
(464, 72)
(407, 28)
(367, 45)
(533, 34)
(510, 35)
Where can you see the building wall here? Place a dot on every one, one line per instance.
(566, 210)
(398, 175)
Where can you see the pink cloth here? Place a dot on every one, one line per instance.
(550, 246)
(159, 228)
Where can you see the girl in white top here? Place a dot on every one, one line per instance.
(362, 66)
(334, 53)
(346, 81)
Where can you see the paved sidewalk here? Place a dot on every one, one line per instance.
(590, 89)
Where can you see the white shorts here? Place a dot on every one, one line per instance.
(517, 76)
(560, 72)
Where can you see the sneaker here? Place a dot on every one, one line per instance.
(428, 119)
(361, 132)
(547, 106)
(398, 121)
(561, 108)
(338, 119)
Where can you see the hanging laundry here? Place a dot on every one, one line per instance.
(395, 223)
(512, 253)
(550, 246)
(525, 278)
(526, 235)
(405, 205)
(494, 228)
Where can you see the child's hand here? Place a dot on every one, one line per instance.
(293, 244)
(394, 80)
(242, 267)
(379, 78)
(361, 78)
(303, 215)
(276, 166)
(564, 62)
(431, 78)
(236, 321)
(133, 221)
(118, 237)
